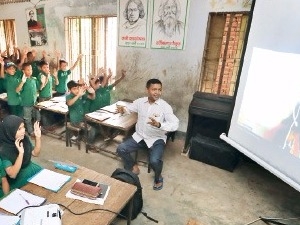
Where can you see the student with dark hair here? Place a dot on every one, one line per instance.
(46, 81)
(77, 102)
(12, 79)
(28, 91)
(62, 74)
(155, 119)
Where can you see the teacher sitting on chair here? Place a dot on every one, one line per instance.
(16, 150)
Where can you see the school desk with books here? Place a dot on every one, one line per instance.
(118, 196)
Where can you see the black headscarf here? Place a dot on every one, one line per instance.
(8, 149)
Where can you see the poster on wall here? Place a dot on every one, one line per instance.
(133, 23)
(169, 24)
(36, 26)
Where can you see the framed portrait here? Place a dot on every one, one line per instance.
(36, 26)
(133, 23)
(169, 24)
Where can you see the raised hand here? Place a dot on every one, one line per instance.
(123, 73)
(37, 129)
(24, 78)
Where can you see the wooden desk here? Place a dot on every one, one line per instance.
(124, 123)
(119, 195)
(56, 105)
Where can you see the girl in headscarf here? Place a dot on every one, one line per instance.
(16, 150)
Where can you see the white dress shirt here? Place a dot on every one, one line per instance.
(161, 111)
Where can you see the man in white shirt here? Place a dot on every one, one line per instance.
(155, 119)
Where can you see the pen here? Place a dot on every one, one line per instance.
(25, 199)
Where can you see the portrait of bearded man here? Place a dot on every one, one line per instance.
(169, 24)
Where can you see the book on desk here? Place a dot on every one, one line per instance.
(49, 179)
(100, 198)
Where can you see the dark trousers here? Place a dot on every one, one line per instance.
(156, 151)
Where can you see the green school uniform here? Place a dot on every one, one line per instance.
(106, 95)
(77, 110)
(29, 92)
(46, 92)
(12, 82)
(62, 78)
(35, 68)
(2, 85)
(98, 102)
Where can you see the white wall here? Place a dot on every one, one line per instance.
(177, 69)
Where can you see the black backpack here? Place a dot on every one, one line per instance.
(131, 178)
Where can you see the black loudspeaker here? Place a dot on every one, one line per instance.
(214, 152)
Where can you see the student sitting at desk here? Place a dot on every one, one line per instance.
(77, 104)
(155, 118)
(17, 149)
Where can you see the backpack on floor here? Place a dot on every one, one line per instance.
(131, 178)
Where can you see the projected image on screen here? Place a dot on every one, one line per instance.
(271, 101)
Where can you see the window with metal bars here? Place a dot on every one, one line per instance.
(95, 38)
(223, 51)
(7, 36)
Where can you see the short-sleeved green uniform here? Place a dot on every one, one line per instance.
(14, 98)
(46, 92)
(35, 68)
(62, 78)
(77, 110)
(29, 92)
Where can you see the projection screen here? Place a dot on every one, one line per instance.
(265, 124)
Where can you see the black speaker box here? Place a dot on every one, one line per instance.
(214, 152)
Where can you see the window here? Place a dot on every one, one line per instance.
(7, 35)
(222, 55)
(96, 39)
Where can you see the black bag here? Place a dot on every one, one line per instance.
(214, 152)
(131, 178)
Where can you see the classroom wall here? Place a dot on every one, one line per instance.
(179, 70)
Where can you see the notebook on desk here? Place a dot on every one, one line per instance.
(113, 108)
(99, 115)
(18, 199)
(50, 180)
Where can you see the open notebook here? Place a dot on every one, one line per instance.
(49, 179)
(18, 199)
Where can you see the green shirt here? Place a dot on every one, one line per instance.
(77, 110)
(46, 92)
(62, 78)
(106, 95)
(29, 92)
(12, 82)
(98, 102)
(2, 85)
(2, 171)
(35, 68)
